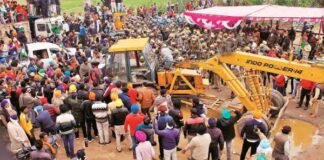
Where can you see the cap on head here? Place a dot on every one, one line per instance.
(119, 103)
(92, 96)
(57, 93)
(140, 136)
(72, 88)
(163, 108)
(212, 122)
(226, 114)
(38, 108)
(113, 96)
(134, 108)
(4, 103)
(286, 129)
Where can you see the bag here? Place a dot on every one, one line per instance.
(261, 157)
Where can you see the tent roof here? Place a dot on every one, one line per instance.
(264, 12)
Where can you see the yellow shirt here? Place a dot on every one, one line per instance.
(25, 124)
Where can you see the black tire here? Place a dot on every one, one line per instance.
(248, 116)
(277, 101)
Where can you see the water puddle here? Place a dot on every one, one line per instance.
(303, 134)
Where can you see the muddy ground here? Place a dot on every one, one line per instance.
(309, 150)
(310, 143)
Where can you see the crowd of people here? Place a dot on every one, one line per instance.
(73, 93)
(12, 12)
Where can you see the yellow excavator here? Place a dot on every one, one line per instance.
(253, 95)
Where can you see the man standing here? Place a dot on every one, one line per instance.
(44, 7)
(146, 99)
(65, 124)
(216, 140)
(131, 122)
(86, 107)
(199, 145)
(74, 103)
(170, 139)
(226, 125)
(250, 135)
(316, 99)
(307, 87)
(282, 142)
(17, 136)
(163, 99)
(100, 111)
(162, 120)
(118, 116)
(190, 127)
(177, 116)
(125, 98)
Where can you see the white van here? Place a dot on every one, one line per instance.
(43, 26)
(42, 51)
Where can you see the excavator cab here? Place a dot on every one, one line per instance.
(132, 60)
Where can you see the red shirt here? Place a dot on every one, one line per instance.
(306, 84)
(171, 13)
(133, 120)
(132, 93)
(280, 80)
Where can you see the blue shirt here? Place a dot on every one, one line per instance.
(83, 31)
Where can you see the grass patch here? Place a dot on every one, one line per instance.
(76, 6)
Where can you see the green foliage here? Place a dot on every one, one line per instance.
(256, 2)
(283, 2)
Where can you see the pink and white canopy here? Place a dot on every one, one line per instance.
(231, 16)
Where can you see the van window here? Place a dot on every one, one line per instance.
(41, 27)
(41, 54)
(54, 50)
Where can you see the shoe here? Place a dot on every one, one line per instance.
(299, 106)
(179, 149)
(305, 108)
(118, 150)
(90, 140)
(108, 142)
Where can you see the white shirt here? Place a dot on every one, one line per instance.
(200, 146)
(65, 27)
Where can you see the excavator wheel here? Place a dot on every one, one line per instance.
(248, 116)
(277, 102)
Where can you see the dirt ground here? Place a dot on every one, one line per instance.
(309, 150)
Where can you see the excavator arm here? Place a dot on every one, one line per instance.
(312, 72)
(218, 65)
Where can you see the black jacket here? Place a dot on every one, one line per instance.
(177, 117)
(227, 126)
(118, 116)
(86, 107)
(75, 106)
(249, 129)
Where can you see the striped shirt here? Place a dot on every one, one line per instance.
(100, 111)
(65, 123)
